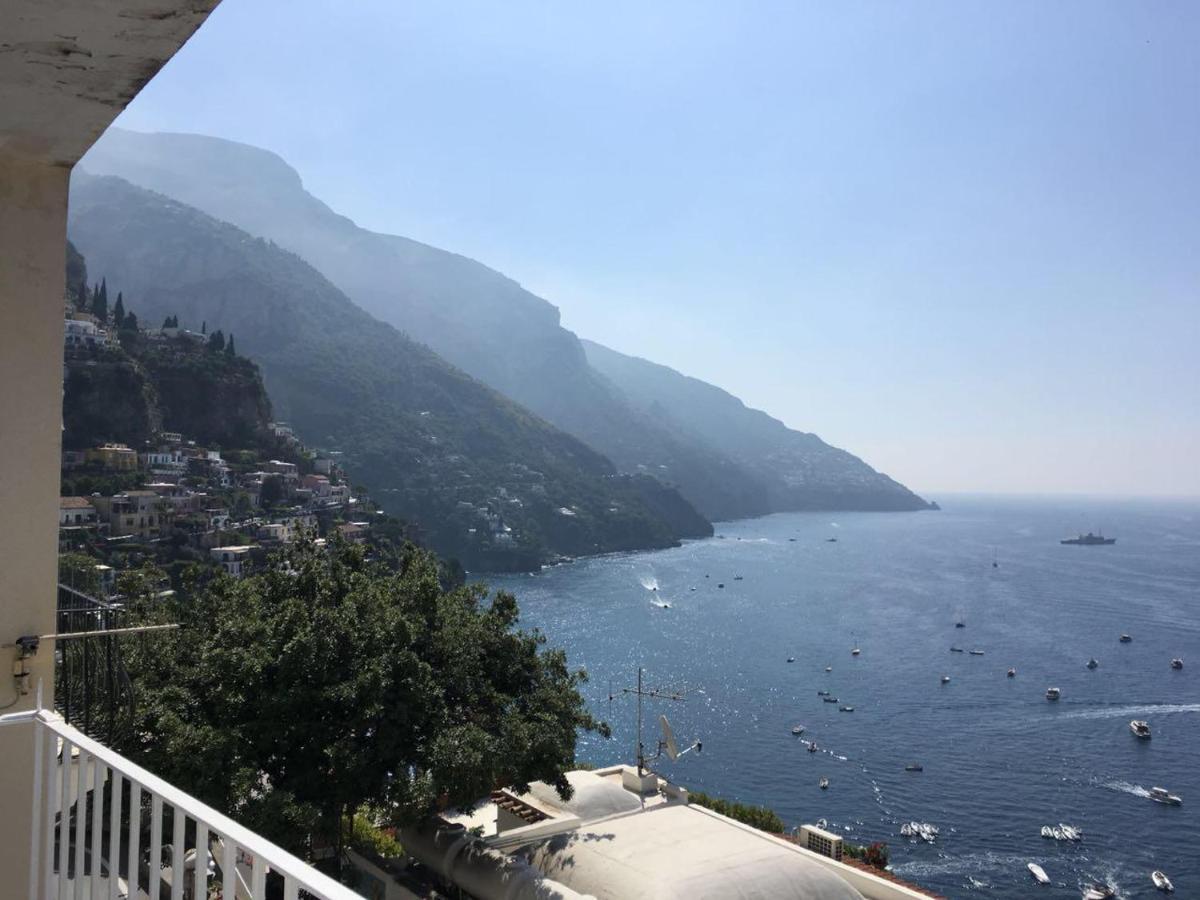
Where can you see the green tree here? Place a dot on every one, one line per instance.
(216, 341)
(100, 302)
(130, 323)
(229, 346)
(295, 697)
(119, 311)
(272, 492)
(78, 570)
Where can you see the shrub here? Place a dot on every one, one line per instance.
(759, 817)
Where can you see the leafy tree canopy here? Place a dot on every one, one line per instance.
(293, 697)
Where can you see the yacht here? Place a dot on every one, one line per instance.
(1161, 795)
(1162, 882)
(829, 668)
(1038, 872)
(1140, 729)
(1092, 663)
(945, 679)
(1053, 693)
(855, 652)
(823, 784)
(1125, 639)
(976, 652)
(1177, 663)
(1012, 673)
(797, 730)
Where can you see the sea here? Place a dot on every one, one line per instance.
(715, 621)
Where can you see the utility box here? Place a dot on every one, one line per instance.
(820, 841)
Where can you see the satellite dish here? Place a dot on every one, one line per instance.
(669, 744)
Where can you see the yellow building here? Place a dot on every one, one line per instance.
(113, 456)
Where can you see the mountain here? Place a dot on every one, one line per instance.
(488, 482)
(799, 470)
(489, 326)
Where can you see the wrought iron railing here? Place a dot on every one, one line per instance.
(92, 688)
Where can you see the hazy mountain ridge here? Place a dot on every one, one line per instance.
(799, 469)
(489, 326)
(433, 444)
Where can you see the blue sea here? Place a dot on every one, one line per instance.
(1000, 761)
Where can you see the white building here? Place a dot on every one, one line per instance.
(232, 559)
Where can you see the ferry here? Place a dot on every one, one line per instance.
(1089, 540)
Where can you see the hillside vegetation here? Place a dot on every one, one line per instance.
(434, 445)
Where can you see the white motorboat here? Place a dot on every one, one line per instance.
(1162, 795)
(791, 659)
(855, 652)
(823, 784)
(812, 748)
(797, 730)
(1140, 729)
(1053, 693)
(1125, 639)
(1012, 673)
(1093, 663)
(1038, 872)
(1070, 832)
(846, 709)
(822, 693)
(945, 679)
(1177, 663)
(914, 767)
(1098, 891)
(1047, 832)
(1162, 882)
(829, 668)
(976, 652)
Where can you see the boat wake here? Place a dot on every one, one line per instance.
(1123, 712)
(649, 582)
(1126, 787)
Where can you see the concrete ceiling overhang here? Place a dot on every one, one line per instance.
(68, 67)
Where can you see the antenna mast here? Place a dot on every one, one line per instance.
(642, 692)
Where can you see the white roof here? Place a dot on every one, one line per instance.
(593, 797)
(681, 852)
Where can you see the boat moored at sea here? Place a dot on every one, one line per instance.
(1162, 795)
(1089, 540)
(957, 650)
(823, 784)
(1038, 872)
(797, 730)
(846, 709)
(945, 679)
(1098, 891)
(976, 652)
(830, 699)
(1093, 663)
(1177, 663)
(1012, 673)
(1162, 882)
(1053, 693)
(1125, 639)
(1140, 729)
(914, 767)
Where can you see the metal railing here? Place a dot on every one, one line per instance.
(102, 828)
(92, 688)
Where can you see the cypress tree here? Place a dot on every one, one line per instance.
(216, 341)
(119, 311)
(131, 322)
(100, 303)
(204, 328)
(229, 351)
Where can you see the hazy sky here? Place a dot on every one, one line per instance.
(959, 239)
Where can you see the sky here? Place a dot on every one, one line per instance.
(960, 239)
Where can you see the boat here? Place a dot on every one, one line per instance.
(1177, 663)
(823, 784)
(1162, 882)
(1089, 540)
(1098, 891)
(1012, 673)
(957, 650)
(1125, 639)
(1038, 872)
(1140, 729)
(1047, 831)
(960, 624)
(720, 584)
(829, 668)
(976, 652)
(822, 693)
(791, 540)
(737, 577)
(945, 679)
(1070, 832)
(914, 767)
(797, 730)
(855, 652)
(845, 709)
(1162, 795)
(831, 540)
(1093, 663)
(1053, 693)
(812, 748)
(791, 659)
(830, 699)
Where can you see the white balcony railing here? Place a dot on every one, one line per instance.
(92, 842)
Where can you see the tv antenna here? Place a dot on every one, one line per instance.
(668, 742)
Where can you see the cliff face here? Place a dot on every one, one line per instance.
(129, 393)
